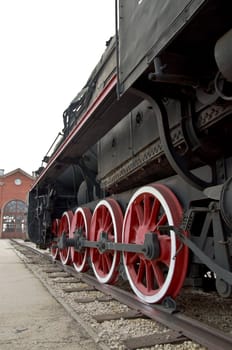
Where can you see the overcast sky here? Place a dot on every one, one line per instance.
(48, 50)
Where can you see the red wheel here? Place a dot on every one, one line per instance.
(153, 280)
(107, 217)
(81, 220)
(64, 227)
(54, 229)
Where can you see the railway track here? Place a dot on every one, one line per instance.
(113, 317)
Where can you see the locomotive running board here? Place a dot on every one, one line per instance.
(104, 113)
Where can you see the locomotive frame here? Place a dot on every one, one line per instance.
(140, 184)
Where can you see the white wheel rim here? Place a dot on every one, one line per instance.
(108, 277)
(79, 268)
(159, 295)
(55, 251)
(63, 259)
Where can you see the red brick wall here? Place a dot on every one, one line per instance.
(20, 235)
(10, 191)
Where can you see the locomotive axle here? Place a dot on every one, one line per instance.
(150, 248)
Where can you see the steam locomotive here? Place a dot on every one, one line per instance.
(139, 185)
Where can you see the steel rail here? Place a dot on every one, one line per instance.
(193, 329)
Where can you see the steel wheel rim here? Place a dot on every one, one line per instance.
(136, 265)
(107, 217)
(81, 220)
(54, 230)
(65, 226)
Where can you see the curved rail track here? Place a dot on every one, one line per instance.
(181, 327)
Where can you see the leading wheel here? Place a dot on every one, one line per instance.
(80, 222)
(153, 280)
(64, 228)
(107, 218)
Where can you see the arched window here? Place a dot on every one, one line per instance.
(14, 217)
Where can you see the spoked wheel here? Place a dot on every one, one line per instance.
(153, 280)
(80, 222)
(64, 227)
(54, 229)
(107, 218)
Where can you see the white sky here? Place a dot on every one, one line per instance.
(48, 50)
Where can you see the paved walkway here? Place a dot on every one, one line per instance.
(30, 318)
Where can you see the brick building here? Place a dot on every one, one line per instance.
(14, 187)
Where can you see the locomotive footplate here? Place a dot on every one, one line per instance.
(150, 248)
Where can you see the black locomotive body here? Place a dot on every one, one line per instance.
(140, 185)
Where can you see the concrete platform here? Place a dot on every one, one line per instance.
(30, 318)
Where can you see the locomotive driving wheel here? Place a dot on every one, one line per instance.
(107, 218)
(54, 229)
(80, 222)
(153, 280)
(64, 229)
